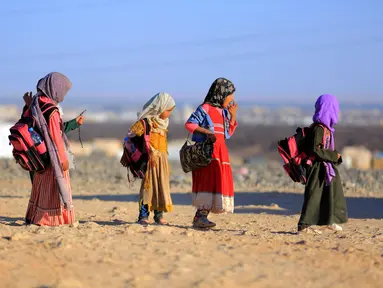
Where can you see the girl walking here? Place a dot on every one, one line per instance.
(50, 203)
(215, 119)
(155, 188)
(324, 202)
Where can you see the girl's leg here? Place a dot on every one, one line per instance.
(143, 217)
(201, 221)
(159, 217)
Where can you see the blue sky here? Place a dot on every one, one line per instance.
(280, 50)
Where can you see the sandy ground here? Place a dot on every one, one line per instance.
(255, 247)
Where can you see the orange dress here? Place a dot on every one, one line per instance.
(45, 207)
(155, 188)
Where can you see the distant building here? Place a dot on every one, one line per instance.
(5, 148)
(377, 162)
(358, 157)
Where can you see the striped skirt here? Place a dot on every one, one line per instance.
(44, 206)
(213, 187)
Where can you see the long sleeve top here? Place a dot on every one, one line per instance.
(201, 118)
(55, 131)
(314, 145)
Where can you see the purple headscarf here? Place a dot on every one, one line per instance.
(54, 86)
(326, 113)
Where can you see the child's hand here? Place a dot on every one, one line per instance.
(28, 98)
(233, 109)
(80, 120)
(339, 156)
(211, 138)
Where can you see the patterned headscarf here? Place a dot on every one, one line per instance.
(219, 90)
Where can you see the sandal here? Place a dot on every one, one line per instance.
(335, 227)
(203, 222)
(161, 221)
(144, 222)
(309, 230)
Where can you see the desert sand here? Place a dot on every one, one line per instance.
(257, 246)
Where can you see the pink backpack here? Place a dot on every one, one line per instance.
(294, 159)
(136, 152)
(29, 149)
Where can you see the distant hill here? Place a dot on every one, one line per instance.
(265, 137)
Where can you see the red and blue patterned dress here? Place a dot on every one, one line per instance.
(213, 187)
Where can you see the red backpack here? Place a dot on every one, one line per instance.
(31, 152)
(294, 158)
(136, 152)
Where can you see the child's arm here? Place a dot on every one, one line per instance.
(70, 125)
(232, 127)
(55, 132)
(232, 114)
(317, 144)
(24, 110)
(28, 101)
(73, 124)
(193, 125)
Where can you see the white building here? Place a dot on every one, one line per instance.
(5, 148)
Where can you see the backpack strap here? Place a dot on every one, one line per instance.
(47, 108)
(145, 122)
(146, 135)
(326, 132)
(25, 112)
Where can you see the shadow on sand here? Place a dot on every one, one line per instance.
(12, 221)
(289, 203)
